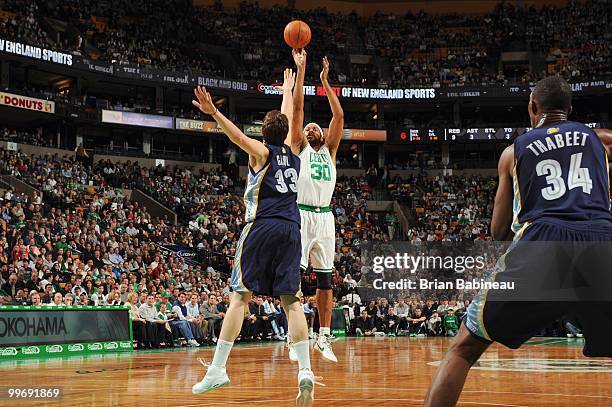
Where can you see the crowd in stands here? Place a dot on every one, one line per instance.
(406, 317)
(85, 240)
(574, 38)
(420, 49)
(35, 138)
(451, 208)
(24, 23)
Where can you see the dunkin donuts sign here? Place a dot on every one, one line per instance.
(24, 102)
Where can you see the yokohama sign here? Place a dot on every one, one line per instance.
(24, 102)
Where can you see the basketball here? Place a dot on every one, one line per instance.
(297, 34)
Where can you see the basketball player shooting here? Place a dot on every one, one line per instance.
(553, 187)
(268, 251)
(316, 185)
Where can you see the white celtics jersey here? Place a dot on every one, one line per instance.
(317, 177)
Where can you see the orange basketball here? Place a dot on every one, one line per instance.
(297, 34)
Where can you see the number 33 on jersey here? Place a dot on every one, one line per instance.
(272, 191)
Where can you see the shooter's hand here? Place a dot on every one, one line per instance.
(299, 57)
(325, 71)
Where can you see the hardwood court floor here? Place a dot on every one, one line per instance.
(371, 371)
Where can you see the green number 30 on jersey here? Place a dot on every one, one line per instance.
(320, 171)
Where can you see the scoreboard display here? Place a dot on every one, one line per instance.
(463, 135)
(422, 135)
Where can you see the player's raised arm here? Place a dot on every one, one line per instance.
(502, 211)
(255, 149)
(336, 126)
(287, 104)
(298, 138)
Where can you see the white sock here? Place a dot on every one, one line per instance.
(221, 353)
(310, 331)
(324, 330)
(302, 350)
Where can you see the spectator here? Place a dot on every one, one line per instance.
(434, 325)
(363, 325)
(451, 322)
(210, 311)
(310, 311)
(139, 327)
(416, 323)
(12, 285)
(390, 322)
(57, 300)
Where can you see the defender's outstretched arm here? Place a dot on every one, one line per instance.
(258, 153)
(298, 138)
(287, 104)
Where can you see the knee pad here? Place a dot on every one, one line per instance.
(324, 281)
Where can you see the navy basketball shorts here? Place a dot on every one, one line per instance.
(560, 270)
(267, 258)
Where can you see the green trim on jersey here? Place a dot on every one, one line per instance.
(318, 209)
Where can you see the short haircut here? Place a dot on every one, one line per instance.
(553, 93)
(275, 127)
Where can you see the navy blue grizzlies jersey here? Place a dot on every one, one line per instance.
(272, 191)
(561, 172)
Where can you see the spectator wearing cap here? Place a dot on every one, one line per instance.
(83, 299)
